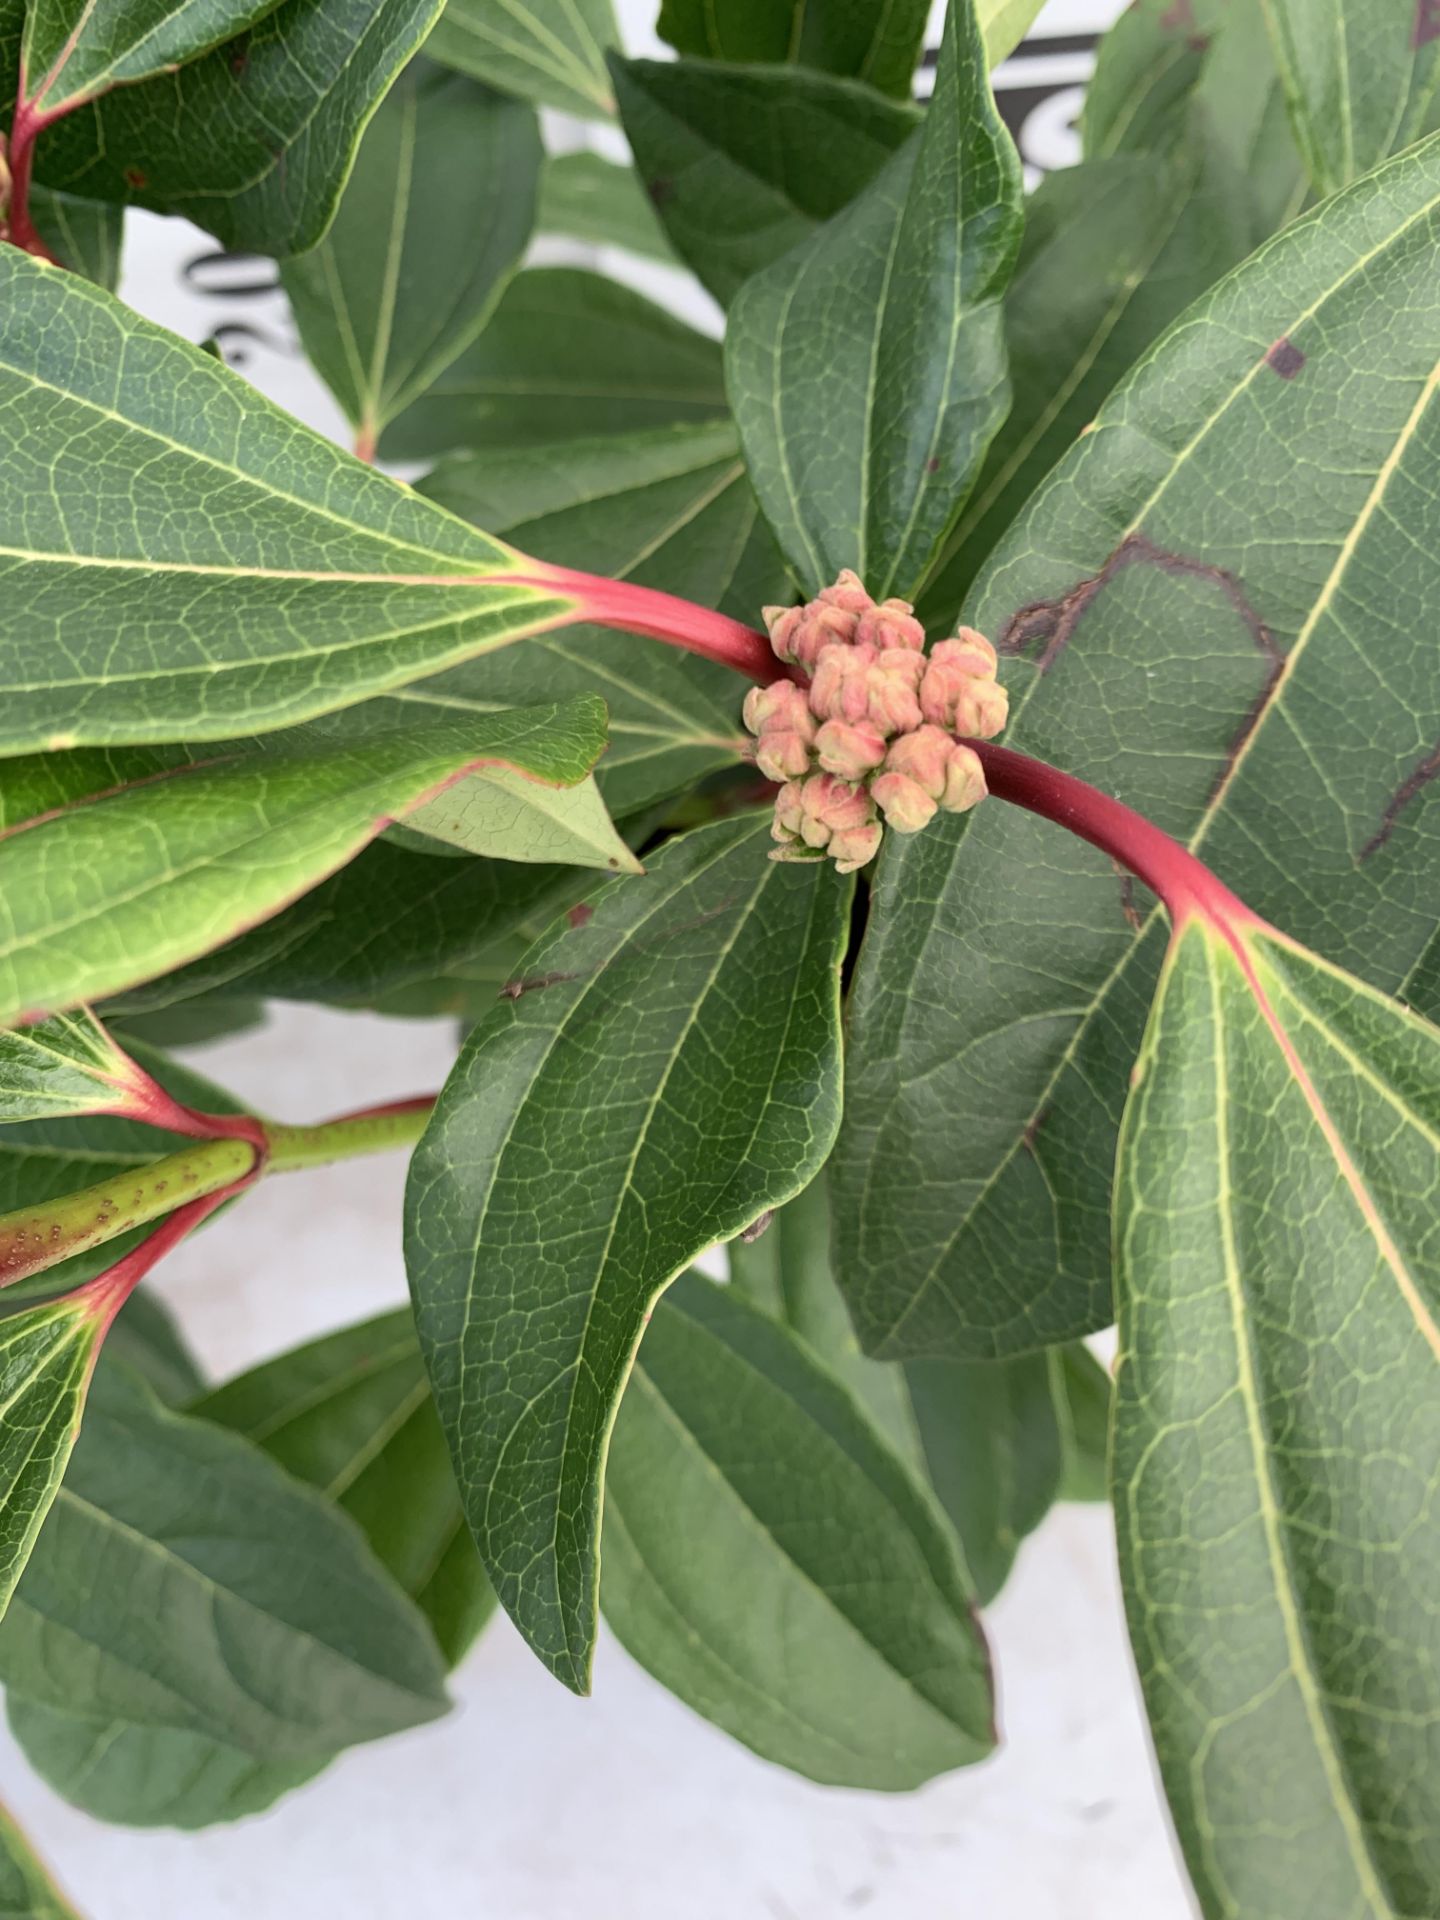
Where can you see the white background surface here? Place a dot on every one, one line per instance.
(528, 1804)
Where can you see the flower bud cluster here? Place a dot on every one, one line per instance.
(873, 731)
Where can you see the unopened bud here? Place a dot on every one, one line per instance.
(850, 751)
(825, 813)
(964, 779)
(903, 801)
(798, 633)
(891, 624)
(893, 687)
(780, 717)
(855, 847)
(959, 691)
(841, 687)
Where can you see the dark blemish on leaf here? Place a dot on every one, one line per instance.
(1179, 18)
(1032, 1128)
(1054, 622)
(1413, 783)
(239, 62)
(1427, 24)
(579, 914)
(513, 989)
(136, 179)
(932, 466)
(1285, 358)
(756, 1227)
(661, 191)
(1127, 903)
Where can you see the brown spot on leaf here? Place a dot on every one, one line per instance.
(1414, 783)
(579, 914)
(1032, 1128)
(1285, 358)
(1179, 17)
(661, 191)
(932, 466)
(136, 179)
(1427, 24)
(756, 1227)
(1134, 918)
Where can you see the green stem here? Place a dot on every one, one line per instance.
(40, 1237)
(375, 1130)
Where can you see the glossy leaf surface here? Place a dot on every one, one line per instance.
(880, 45)
(1277, 1450)
(894, 305)
(548, 51)
(666, 1071)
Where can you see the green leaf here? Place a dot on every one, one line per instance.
(1005, 23)
(1240, 92)
(511, 818)
(769, 1559)
(26, 1889)
(677, 1054)
(251, 573)
(351, 1413)
(878, 44)
(1113, 251)
(985, 1436)
(1146, 70)
(62, 1066)
(894, 305)
(72, 53)
(253, 141)
(1221, 595)
(566, 355)
(139, 880)
(46, 1357)
(1276, 1442)
(1360, 80)
(548, 51)
(270, 1634)
(146, 1338)
(1083, 1399)
(590, 198)
(743, 163)
(83, 235)
(433, 223)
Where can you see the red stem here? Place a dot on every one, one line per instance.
(660, 616)
(25, 129)
(111, 1289)
(1185, 884)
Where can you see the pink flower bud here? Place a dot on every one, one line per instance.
(964, 779)
(922, 756)
(903, 801)
(893, 687)
(841, 689)
(855, 846)
(850, 751)
(789, 812)
(959, 691)
(847, 593)
(780, 717)
(891, 624)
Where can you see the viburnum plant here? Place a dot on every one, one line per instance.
(969, 1044)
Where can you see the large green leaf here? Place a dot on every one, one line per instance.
(771, 1561)
(590, 198)
(507, 817)
(1146, 70)
(351, 1413)
(566, 354)
(271, 1633)
(254, 140)
(1360, 80)
(130, 883)
(866, 368)
(147, 1338)
(743, 163)
(26, 1889)
(1222, 596)
(83, 235)
(46, 1357)
(1277, 1444)
(1114, 249)
(251, 573)
(668, 1071)
(433, 223)
(990, 1437)
(878, 44)
(73, 52)
(548, 51)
